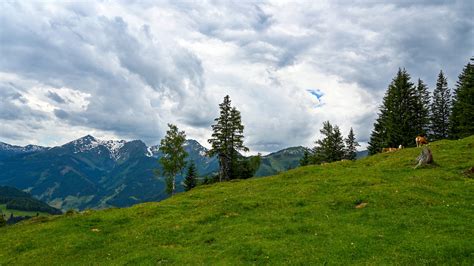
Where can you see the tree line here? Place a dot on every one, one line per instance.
(332, 147)
(226, 141)
(409, 110)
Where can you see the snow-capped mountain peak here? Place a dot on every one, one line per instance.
(89, 142)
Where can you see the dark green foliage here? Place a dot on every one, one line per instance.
(306, 159)
(174, 155)
(396, 124)
(210, 179)
(422, 109)
(462, 115)
(18, 200)
(190, 181)
(3, 222)
(31, 204)
(350, 152)
(331, 147)
(440, 109)
(227, 138)
(246, 167)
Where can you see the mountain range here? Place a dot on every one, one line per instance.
(93, 173)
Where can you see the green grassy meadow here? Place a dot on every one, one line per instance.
(302, 216)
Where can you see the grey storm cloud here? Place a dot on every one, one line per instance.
(55, 97)
(132, 67)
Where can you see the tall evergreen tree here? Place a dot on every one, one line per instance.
(227, 138)
(440, 109)
(396, 122)
(338, 148)
(190, 181)
(323, 147)
(422, 109)
(331, 147)
(306, 159)
(462, 115)
(173, 156)
(351, 146)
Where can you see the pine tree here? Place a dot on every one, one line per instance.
(422, 109)
(378, 138)
(462, 115)
(173, 159)
(190, 180)
(338, 150)
(247, 167)
(351, 146)
(322, 149)
(331, 147)
(396, 124)
(306, 159)
(227, 139)
(440, 109)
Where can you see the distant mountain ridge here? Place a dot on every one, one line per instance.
(7, 150)
(93, 173)
(19, 200)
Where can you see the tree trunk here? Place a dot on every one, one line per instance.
(426, 157)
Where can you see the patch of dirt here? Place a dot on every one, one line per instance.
(469, 172)
(361, 205)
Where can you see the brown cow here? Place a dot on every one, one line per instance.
(420, 141)
(389, 149)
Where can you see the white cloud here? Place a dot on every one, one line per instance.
(125, 70)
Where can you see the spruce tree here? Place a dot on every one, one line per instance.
(173, 159)
(440, 109)
(322, 149)
(462, 115)
(351, 146)
(331, 147)
(227, 139)
(378, 138)
(306, 159)
(190, 181)
(396, 124)
(338, 150)
(422, 109)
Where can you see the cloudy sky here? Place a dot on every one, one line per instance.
(124, 69)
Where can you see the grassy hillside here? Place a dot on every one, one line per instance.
(306, 215)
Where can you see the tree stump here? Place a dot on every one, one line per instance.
(426, 157)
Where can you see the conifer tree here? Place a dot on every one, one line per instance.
(351, 146)
(378, 138)
(227, 138)
(462, 115)
(422, 109)
(190, 180)
(440, 109)
(331, 147)
(338, 148)
(322, 149)
(173, 159)
(306, 159)
(397, 117)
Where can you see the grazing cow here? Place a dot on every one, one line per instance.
(420, 141)
(389, 149)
